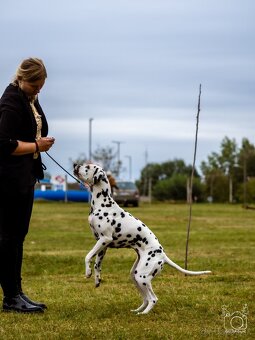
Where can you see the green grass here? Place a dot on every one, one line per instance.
(222, 239)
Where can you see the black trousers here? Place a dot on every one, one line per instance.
(15, 213)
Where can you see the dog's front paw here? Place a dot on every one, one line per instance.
(88, 273)
(97, 282)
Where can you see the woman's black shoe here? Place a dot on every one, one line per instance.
(37, 304)
(18, 304)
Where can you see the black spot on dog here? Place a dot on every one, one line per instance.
(128, 235)
(122, 214)
(113, 222)
(105, 214)
(139, 228)
(117, 229)
(155, 272)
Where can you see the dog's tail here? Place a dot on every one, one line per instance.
(188, 272)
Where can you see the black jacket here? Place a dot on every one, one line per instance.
(17, 122)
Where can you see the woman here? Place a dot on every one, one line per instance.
(23, 131)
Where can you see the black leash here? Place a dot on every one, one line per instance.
(76, 179)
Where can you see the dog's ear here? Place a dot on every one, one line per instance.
(99, 175)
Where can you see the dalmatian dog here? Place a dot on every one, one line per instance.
(115, 228)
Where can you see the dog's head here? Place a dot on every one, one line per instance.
(90, 173)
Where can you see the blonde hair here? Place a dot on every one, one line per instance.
(30, 70)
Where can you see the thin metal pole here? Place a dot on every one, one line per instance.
(191, 181)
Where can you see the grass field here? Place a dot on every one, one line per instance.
(222, 239)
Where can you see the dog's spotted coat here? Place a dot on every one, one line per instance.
(113, 227)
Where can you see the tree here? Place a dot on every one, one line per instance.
(226, 172)
(154, 173)
(246, 161)
(103, 156)
(81, 159)
(175, 188)
(219, 166)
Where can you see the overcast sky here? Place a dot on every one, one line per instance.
(135, 66)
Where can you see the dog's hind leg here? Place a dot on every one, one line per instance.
(133, 273)
(97, 266)
(143, 278)
(152, 298)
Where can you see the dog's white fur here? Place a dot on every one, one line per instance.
(116, 228)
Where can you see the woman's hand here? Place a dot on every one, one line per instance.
(45, 143)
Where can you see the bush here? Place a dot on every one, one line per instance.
(175, 188)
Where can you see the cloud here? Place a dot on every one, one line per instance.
(135, 66)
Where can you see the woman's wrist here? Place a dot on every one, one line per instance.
(36, 147)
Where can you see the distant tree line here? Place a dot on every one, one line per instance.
(227, 176)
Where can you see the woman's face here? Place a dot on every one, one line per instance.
(31, 88)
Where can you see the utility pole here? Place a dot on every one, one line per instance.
(130, 167)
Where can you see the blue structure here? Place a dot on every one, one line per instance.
(61, 195)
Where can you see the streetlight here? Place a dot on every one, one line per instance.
(130, 167)
(90, 138)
